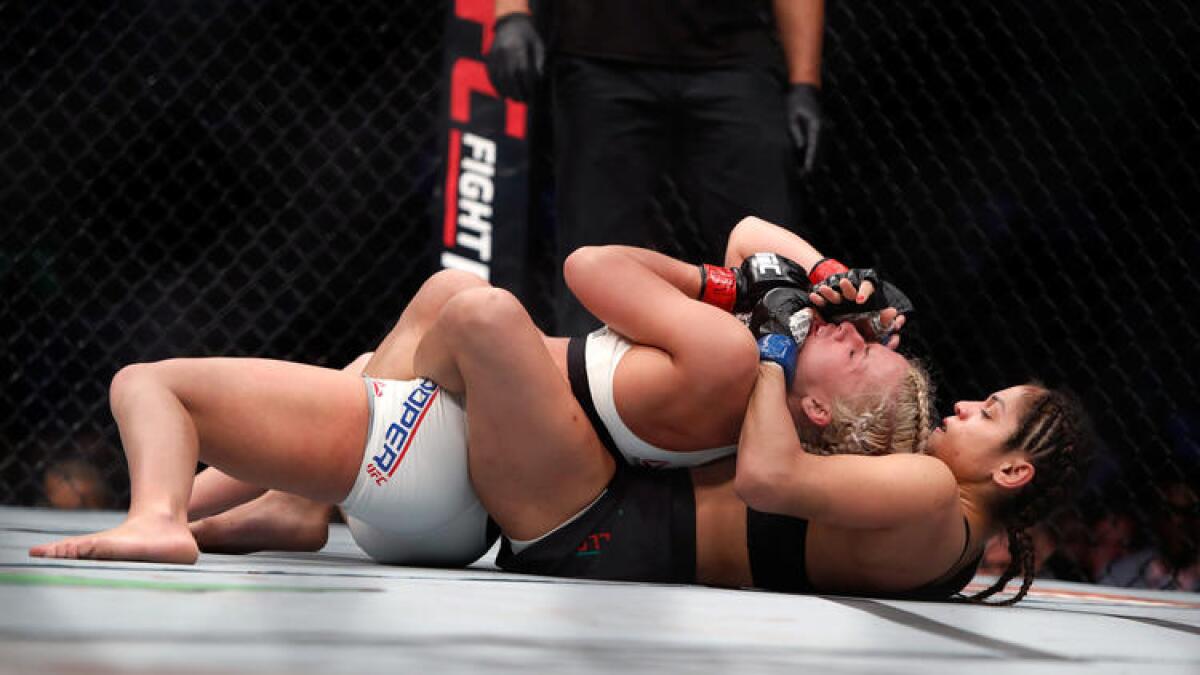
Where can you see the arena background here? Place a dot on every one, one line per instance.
(261, 178)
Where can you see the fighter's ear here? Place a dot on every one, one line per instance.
(816, 410)
(1014, 473)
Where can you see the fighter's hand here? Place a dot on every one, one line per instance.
(843, 289)
(738, 289)
(876, 308)
(890, 321)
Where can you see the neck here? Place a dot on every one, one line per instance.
(977, 507)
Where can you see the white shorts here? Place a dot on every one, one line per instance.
(412, 502)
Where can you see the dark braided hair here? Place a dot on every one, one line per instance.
(1056, 434)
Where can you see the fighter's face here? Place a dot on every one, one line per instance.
(837, 363)
(975, 437)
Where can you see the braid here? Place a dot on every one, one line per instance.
(924, 411)
(1056, 435)
(1021, 564)
(879, 424)
(1016, 566)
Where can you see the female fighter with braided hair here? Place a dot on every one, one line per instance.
(291, 426)
(903, 525)
(1054, 434)
(995, 465)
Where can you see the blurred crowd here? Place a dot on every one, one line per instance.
(1155, 548)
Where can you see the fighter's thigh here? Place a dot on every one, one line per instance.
(393, 357)
(282, 425)
(534, 457)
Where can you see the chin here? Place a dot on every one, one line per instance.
(933, 446)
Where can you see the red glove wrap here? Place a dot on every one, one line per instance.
(825, 268)
(719, 287)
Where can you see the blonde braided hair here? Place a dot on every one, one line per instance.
(899, 420)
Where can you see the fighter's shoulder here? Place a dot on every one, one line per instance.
(929, 472)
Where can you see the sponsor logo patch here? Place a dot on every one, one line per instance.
(400, 433)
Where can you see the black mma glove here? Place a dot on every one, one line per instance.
(737, 289)
(804, 122)
(865, 315)
(783, 311)
(514, 63)
(886, 295)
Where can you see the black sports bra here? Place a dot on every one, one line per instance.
(777, 546)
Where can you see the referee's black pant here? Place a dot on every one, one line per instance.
(719, 132)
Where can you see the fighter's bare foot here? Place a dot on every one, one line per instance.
(276, 521)
(146, 538)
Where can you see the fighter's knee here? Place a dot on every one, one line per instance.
(579, 257)
(483, 311)
(128, 380)
(580, 261)
(450, 282)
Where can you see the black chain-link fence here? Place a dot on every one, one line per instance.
(198, 179)
(256, 178)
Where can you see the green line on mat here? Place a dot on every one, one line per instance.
(20, 579)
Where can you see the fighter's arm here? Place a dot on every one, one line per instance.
(752, 235)
(775, 475)
(651, 299)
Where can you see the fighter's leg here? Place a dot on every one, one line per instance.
(290, 426)
(534, 459)
(392, 359)
(214, 491)
(276, 521)
(280, 521)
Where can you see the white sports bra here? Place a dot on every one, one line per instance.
(603, 351)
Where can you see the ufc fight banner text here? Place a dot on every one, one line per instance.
(481, 217)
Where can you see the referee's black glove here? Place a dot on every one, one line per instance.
(514, 62)
(804, 122)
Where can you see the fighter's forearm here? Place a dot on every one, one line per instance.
(630, 288)
(768, 448)
(755, 235)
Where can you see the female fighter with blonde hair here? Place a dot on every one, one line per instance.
(302, 429)
(903, 525)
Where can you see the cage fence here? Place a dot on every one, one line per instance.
(256, 178)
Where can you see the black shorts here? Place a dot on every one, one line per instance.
(642, 529)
